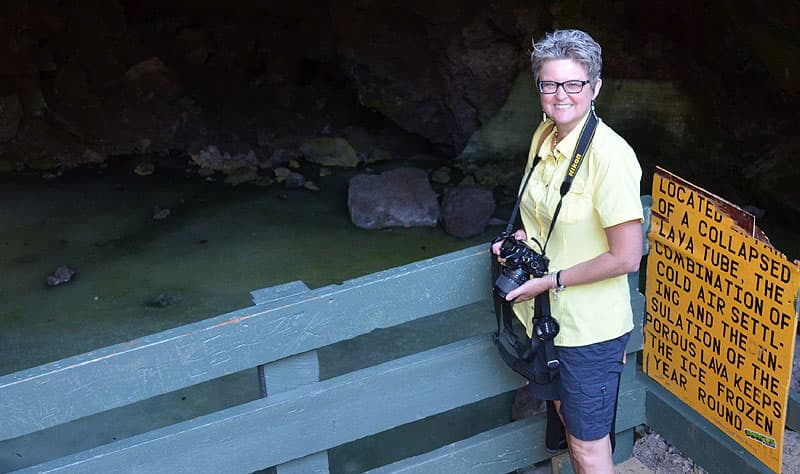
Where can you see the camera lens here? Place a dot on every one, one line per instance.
(510, 280)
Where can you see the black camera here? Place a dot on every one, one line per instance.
(520, 263)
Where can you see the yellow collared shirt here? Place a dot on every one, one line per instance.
(605, 193)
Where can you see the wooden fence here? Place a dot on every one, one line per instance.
(301, 418)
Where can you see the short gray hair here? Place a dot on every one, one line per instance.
(568, 44)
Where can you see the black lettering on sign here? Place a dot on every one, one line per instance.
(720, 261)
(670, 295)
(695, 370)
(753, 326)
(734, 336)
(749, 400)
(723, 411)
(710, 299)
(713, 364)
(699, 313)
(676, 236)
(769, 288)
(765, 379)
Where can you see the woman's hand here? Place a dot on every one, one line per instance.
(530, 289)
(519, 235)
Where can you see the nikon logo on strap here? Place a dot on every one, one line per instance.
(573, 168)
(584, 140)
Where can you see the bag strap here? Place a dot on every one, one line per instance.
(536, 159)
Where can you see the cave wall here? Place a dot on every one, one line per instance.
(85, 82)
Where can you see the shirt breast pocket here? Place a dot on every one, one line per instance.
(578, 204)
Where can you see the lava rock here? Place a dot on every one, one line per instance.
(466, 210)
(63, 274)
(398, 198)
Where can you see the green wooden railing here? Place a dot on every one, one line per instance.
(300, 418)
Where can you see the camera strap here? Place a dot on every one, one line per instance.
(518, 357)
(584, 140)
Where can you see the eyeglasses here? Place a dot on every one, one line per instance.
(570, 87)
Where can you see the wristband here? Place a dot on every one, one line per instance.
(559, 285)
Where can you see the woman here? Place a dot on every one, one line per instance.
(596, 241)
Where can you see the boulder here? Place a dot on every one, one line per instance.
(329, 151)
(10, 116)
(398, 198)
(466, 210)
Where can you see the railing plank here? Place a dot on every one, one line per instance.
(278, 292)
(793, 415)
(126, 373)
(500, 450)
(512, 446)
(312, 418)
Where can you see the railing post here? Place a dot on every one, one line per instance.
(289, 373)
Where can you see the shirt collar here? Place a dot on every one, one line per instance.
(567, 144)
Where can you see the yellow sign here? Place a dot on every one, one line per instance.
(721, 315)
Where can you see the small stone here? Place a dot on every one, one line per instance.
(441, 175)
(164, 300)
(295, 180)
(160, 214)
(144, 169)
(63, 274)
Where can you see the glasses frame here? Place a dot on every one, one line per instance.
(540, 84)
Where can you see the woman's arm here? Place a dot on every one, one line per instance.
(623, 256)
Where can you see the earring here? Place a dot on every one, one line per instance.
(593, 111)
(544, 116)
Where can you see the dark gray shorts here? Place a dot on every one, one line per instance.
(588, 379)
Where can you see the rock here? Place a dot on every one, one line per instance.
(151, 78)
(160, 214)
(164, 300)
(791, 451)
(329, 151)
(244, 174)
(525, 405)
(507, 135)
(466, 210)
(442, 97)
(282, 173)
(10, 117)
(773, 178)
(398, 198)
(364, 143)
(654, 452)
(441, 175)
(192, 45)
(294, 180)
(144, 168)
(238, 168)
(63, 274)
(92, 157)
